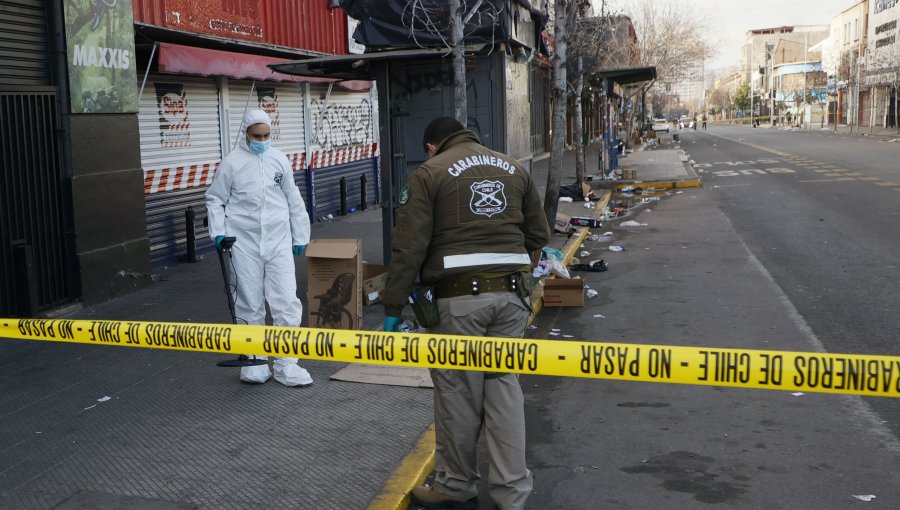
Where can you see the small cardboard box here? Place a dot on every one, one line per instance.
(561, 225)
(334, 271)
(582, 221)
(374, 278)
(564, 292)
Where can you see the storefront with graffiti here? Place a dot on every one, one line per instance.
(191, 106)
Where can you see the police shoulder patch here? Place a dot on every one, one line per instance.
(404, 195)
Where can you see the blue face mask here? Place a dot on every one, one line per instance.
(259, 148)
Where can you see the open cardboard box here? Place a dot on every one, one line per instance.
(374, 278)
(562, 225)
(334, 271)
(564, 292)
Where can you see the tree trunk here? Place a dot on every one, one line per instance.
(558, 97)
(460, 106)
(579, 122)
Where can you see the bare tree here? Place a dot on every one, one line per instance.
(672, 37)
(564, 19)
(449, 21)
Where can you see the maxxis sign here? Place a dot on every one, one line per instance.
(100, 51)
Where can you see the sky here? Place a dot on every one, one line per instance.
(731, 19)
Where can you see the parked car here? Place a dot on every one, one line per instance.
(686, 122)
(661, 125)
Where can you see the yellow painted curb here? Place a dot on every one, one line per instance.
(689, 183)
(411, 472)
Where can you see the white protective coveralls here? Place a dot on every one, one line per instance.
(254, 198)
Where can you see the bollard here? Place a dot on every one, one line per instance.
(190, 241)
(343, 196)
(25, 280)
(363, 199)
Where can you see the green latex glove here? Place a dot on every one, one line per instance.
(219, 242)
(391, 324)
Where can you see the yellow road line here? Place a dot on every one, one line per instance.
(412, 471)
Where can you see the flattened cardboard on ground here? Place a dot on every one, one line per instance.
(564, 292)
(374, 278)
(334, 269)
(385, 374)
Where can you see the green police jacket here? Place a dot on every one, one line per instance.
(465, 211)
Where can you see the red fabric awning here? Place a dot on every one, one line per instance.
(178, 59)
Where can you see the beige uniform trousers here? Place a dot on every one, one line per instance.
(467, 402)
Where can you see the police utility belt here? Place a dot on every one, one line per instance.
(423, 299)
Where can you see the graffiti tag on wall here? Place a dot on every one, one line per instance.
(174, 118)
(267, 99)
(341, 125)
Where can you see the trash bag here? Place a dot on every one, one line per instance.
(595, 266)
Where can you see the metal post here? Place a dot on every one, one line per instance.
(343, 196)
(363, 198)
(190, 239)
(26, 282)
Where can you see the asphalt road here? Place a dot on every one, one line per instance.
(790, 245)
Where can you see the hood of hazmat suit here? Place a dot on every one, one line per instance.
(254, 198)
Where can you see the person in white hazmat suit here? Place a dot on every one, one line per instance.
(254, 199)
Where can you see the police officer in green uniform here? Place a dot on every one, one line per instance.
(469, 218)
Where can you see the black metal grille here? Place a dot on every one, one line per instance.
(35, 257)
(539, 103)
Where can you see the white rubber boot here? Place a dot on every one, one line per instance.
(289, 373)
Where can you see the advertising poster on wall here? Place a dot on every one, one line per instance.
(100, 42)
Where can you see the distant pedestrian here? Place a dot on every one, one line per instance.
(703, 117)
(469, 218)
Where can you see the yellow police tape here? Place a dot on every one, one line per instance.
(742, 368)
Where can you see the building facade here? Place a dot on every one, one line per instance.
(882, 72)
(123, 111)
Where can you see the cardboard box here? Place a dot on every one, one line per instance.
(562, 225)
(629, 174)
(583, 221)
(564, 292)
(334, 269)
(374, 277)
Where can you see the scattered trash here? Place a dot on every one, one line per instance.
(90, 407)
(864, 497)
(598, 316)
(566, 199)
(554, 262)
(627, 189)
(632, 223)
(568, 336)
(591, 293)
(679, 192)
(584, 254)
(104, 399)
(607, 234)
(596, 266)
(588, 205)
(798, 394)
(554, 333)
(411, 326)
(532, 327)
(616, 247)
(555, 329)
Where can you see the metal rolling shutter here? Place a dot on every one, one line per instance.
(180, 151)
(24, 55)
(342, 144)
(284, 104)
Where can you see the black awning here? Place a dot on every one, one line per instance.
(626, 75)
(354, 67)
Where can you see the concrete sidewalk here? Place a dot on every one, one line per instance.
(103, 427)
